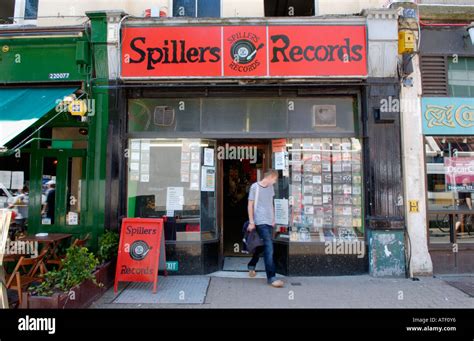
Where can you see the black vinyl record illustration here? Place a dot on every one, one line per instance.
(139, 249)
(243, 51)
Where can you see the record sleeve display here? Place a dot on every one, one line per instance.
(325, 177)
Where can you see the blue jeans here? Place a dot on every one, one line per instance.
(265, 232)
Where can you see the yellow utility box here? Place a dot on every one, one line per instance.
(406, 42)
(78, 107)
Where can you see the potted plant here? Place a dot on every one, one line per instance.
(107, 255)
(74, 285)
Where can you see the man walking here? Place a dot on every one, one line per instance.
(261, 217)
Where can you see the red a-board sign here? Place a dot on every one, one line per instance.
(244, 51)
(139, 251)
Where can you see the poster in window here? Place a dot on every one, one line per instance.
(280, 160)
(459, 173)
(194, 181)
(281, 211)
(347, 200)
(356, 179)
(327, 199)
(17, 180)
(324, 115)
(195, 156)
(208, 179)
(174, 198)
(308, 167)
(209, 157)
(194, 166)
(346, 166)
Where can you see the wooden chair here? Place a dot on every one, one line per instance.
(21, 277)
(77, 242)
(81, 242)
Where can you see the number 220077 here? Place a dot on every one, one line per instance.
(58, 75)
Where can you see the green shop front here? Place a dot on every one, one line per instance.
(51, 149)
(203, 108)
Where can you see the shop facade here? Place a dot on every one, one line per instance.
(50, 131)
(201, 108)
(448, 127)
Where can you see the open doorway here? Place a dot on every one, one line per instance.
(243, 163)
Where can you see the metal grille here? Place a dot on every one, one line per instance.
(434, 75)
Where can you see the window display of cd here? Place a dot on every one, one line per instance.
(325, 189)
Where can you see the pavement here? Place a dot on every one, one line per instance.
(235, 290)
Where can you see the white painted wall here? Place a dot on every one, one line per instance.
(64, 12)
(414, 175)
(347, 6)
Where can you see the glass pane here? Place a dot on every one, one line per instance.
(209, 8)
(326, 190)
(242, 115)
(73, 190)
(163, 115)
(439, 226)
(459, 91)
(282, 192)
(31, 9)
(321, 114)
(461, 77)
(48, 197)
(450, 184)
(184, 8)
(165, 180)
(14, 192)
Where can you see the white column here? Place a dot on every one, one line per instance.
(414, 174)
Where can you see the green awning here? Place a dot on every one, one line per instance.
(22, 107)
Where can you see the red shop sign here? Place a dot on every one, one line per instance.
(139, 251)
(244, 51)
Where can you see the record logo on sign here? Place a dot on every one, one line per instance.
(139, 250)
(246, 50)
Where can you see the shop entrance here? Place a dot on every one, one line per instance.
(243, 162)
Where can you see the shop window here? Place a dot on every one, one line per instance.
(197, 8)
(73, 190)
(175, 179)
(31, 9)
(48, 196)
(7, 12)
(244, 115)
(289, 8)
(326, 115)
(325, 189)
(163, 115)
(242, 8)
(209, 8)
(332, 115)
(14, 189)
(450, 186)
(461, 77)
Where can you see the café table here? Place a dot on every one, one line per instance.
(51, 240)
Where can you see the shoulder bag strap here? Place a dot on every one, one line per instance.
(256, 196)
